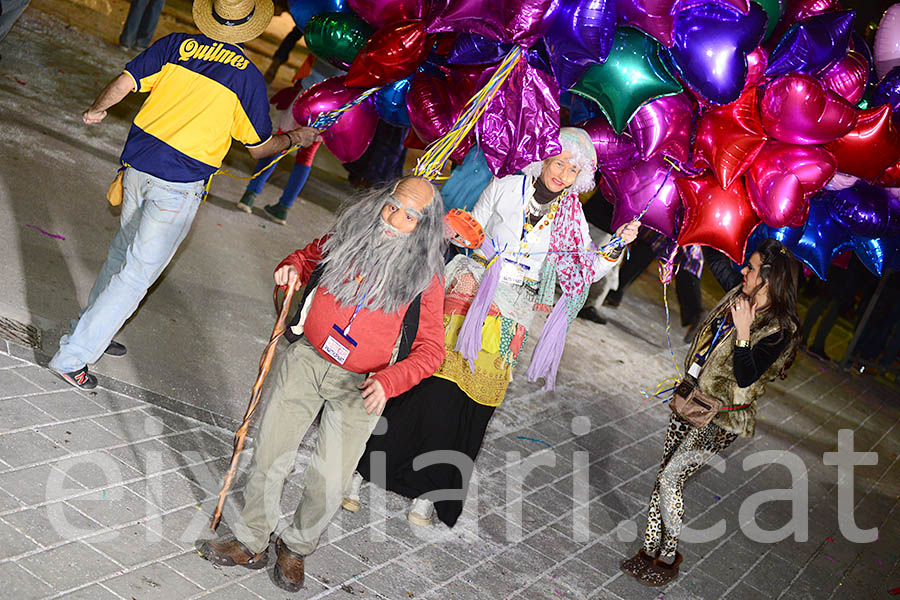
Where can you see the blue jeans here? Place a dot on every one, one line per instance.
(156, 217)
(140, 24)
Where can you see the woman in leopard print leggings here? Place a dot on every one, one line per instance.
(750, 338)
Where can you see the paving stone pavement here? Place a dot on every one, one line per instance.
(105, 496)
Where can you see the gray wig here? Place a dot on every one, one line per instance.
(394, 270)
(578, 143)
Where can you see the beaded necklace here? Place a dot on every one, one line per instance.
(543, 222)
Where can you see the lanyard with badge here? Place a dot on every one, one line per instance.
(335, 347)
(700, 359)
(513, 271)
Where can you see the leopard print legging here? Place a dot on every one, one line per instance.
(687, 449)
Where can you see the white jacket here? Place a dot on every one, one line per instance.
(501, 212)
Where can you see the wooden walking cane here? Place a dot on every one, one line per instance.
(265, 362)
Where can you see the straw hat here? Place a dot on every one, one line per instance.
(232, 21)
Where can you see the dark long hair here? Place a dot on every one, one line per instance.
(781, 271)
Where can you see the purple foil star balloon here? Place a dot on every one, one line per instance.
(518, 21)
(581, 34)
(711, 47)
(614, 152)
(663, 125)
(632, 189)
(521, 123)
(812, 45)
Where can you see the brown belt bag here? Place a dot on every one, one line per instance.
(695, 407)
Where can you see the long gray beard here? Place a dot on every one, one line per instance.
(394, 270)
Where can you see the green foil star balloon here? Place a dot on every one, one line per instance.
(337, 37)
(632, 75)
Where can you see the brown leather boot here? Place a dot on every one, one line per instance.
(288, 568)
(231, 553)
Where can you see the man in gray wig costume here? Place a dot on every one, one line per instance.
(369, 327)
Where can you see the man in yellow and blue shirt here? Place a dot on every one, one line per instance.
(203, 91)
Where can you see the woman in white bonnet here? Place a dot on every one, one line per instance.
(535, 222)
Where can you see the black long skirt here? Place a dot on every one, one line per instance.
(434, 415)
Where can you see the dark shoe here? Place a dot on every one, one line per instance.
(277, 212)
(246, 201)
(818, 353)
(637, 564)
(115, 349)
(659, 573)
(232, 553)
(612, 300)
(590, 313)
(80, 379)
(288, 573)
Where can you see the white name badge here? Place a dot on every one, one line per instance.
(512, 273)
(336, 350)
(694, 371)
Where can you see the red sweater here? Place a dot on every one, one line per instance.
(375, 332)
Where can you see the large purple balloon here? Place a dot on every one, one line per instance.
(349, 137)
(521, 123)
(799, 109)
(711, 47)
(614, 152)
(517, 21)
(663, 126)
(658, 17)
(865, 210)
(823, 238)
(474, 49)
(812, 45)
(632, 189)
(581, 34)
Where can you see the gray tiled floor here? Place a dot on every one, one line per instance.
(108, 500)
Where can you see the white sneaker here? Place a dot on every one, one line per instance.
(351, 494)
(420, 512)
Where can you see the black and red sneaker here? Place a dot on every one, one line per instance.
(80, 379)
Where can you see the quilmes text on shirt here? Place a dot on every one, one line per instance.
(190, 48)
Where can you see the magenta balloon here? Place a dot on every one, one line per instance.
(521, 123)
(848, 77)
(349, 137)
(663, 125)
(614, 152)
(632, 189)
(799, 109)
(757, 61)
(386, 12)
(432, 110)
(783, 177)
(518, 21)
(887, 41)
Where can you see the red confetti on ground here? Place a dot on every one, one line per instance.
(829, 558)
(61, 71)
(829, 539)
(894, 592)
(16, 79)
